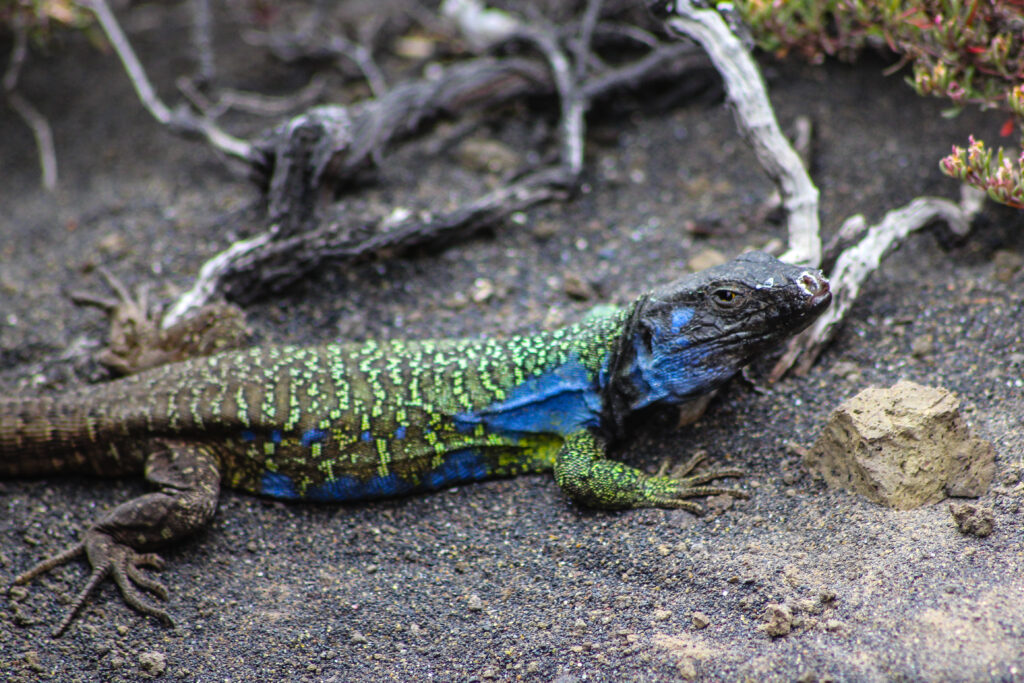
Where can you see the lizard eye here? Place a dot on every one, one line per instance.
(725, 298)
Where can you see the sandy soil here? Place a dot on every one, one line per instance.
(508, 580)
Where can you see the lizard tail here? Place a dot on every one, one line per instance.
(46, 435)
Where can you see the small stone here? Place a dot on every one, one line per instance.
(358, 638)
(414, 46)
(1006, 263)
(717, 505)
(33, 662)
(482, 290)
(810, 606)
(21, 618)
(974, 520)
(922, 345)
(112, 244)
(706, 259)
(847, 370)
(579, 625)
(577, 287)
(153, 663)
(474, 604)
(686, 668)
(489, 156)
(833, 625)
(778, 620)
(662, 615)
(545, 230)
(700, 620)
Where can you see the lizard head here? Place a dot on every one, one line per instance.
(687, 338)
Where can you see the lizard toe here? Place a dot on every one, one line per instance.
(49, 563)
(127, 577)
(142, 580)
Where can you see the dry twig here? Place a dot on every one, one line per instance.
(32, 117)
(756, 119)
(855, 264)
(181, 119)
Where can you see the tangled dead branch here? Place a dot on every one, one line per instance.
(328, 146)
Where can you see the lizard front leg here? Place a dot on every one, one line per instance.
(137, 341)
(584, 472)
(189, 481)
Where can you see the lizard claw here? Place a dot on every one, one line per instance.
(109, 558)
(672, 490)
(680, 470)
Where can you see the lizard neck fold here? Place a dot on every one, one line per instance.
(654, 362)
(619, 392)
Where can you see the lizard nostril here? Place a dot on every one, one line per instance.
(814, 283)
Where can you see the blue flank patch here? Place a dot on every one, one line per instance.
(312, 436)
(365, 436)
(276, 436)
(458, 467)
(400, 432)
(353, 488)
(248, 435)
(560, 401)
(278, 486)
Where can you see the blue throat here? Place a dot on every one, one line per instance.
(671, 369)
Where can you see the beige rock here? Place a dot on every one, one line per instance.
(778, 620)
(904, 447)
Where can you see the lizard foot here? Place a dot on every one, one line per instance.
(108, 557)
(139, 342)
(671, 486)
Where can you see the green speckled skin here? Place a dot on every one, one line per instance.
(354, 421)
(252, 407)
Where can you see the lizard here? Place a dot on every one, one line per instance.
(355, 421)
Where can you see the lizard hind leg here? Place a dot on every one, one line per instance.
(189, 480)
